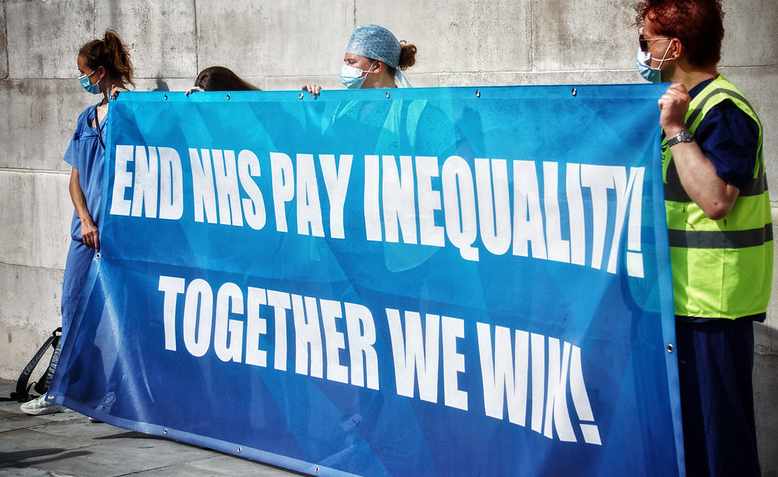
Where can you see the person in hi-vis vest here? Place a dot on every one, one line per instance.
(720, 230)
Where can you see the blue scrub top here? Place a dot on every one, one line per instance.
(85, 153)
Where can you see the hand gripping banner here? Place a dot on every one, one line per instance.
(449, 281)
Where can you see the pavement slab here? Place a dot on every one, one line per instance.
(68, 444)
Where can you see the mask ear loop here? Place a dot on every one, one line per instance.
(664, 57)
(369, 71)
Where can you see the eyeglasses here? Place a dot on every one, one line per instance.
(644, 42)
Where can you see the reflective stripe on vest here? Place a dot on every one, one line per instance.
(721, 268)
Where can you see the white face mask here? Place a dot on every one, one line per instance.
(353, 77)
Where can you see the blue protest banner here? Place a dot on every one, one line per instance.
(449, 281)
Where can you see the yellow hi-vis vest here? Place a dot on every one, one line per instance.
(721, 268)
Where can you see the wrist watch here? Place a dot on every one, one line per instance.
(683, 136)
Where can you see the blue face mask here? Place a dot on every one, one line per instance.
(88, 86)
(652, 75)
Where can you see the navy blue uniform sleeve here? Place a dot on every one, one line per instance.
(730, 139)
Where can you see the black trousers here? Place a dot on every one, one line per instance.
(715, 365)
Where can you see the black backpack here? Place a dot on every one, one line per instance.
(22, 393)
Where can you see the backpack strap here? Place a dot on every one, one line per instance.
(22, 392)
(45, 381)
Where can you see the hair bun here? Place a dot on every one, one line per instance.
(407, 55)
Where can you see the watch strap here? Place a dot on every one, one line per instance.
(683, 136)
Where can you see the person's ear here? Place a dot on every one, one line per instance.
(676, 49)
(101, 74)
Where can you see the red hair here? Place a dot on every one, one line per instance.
(698, 24)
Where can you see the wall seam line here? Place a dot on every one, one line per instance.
(480, 71)
(32, 267)
(531, 21)
(197, 40)
(5, 26)
(21, 170)
(769, 65)
(765, 353)
(64, 78)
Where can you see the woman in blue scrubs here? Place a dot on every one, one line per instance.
(105, 69)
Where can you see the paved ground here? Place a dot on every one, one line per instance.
(67, 444)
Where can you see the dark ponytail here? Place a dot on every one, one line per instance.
(111, 54)
(407, 55)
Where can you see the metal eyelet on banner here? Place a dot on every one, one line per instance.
(238, 450)
(164, 97)
(301, 96)
(228, 97)
(477, 93)
(164, 431)
(387, 95)
(670, 348)
(574, 92)
(98, 256)
(316, 468)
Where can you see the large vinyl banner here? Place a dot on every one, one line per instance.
(452, 281)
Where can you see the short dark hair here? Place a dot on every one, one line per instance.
(698, 24)
(219, 78)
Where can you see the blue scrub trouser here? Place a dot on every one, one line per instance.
(76, 269)
(715, 365)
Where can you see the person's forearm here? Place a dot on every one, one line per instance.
(696, 172)
(78, 199)
(701, 182)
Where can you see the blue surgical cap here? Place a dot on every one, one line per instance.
(375, 42)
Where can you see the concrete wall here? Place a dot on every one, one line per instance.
(280, 45)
